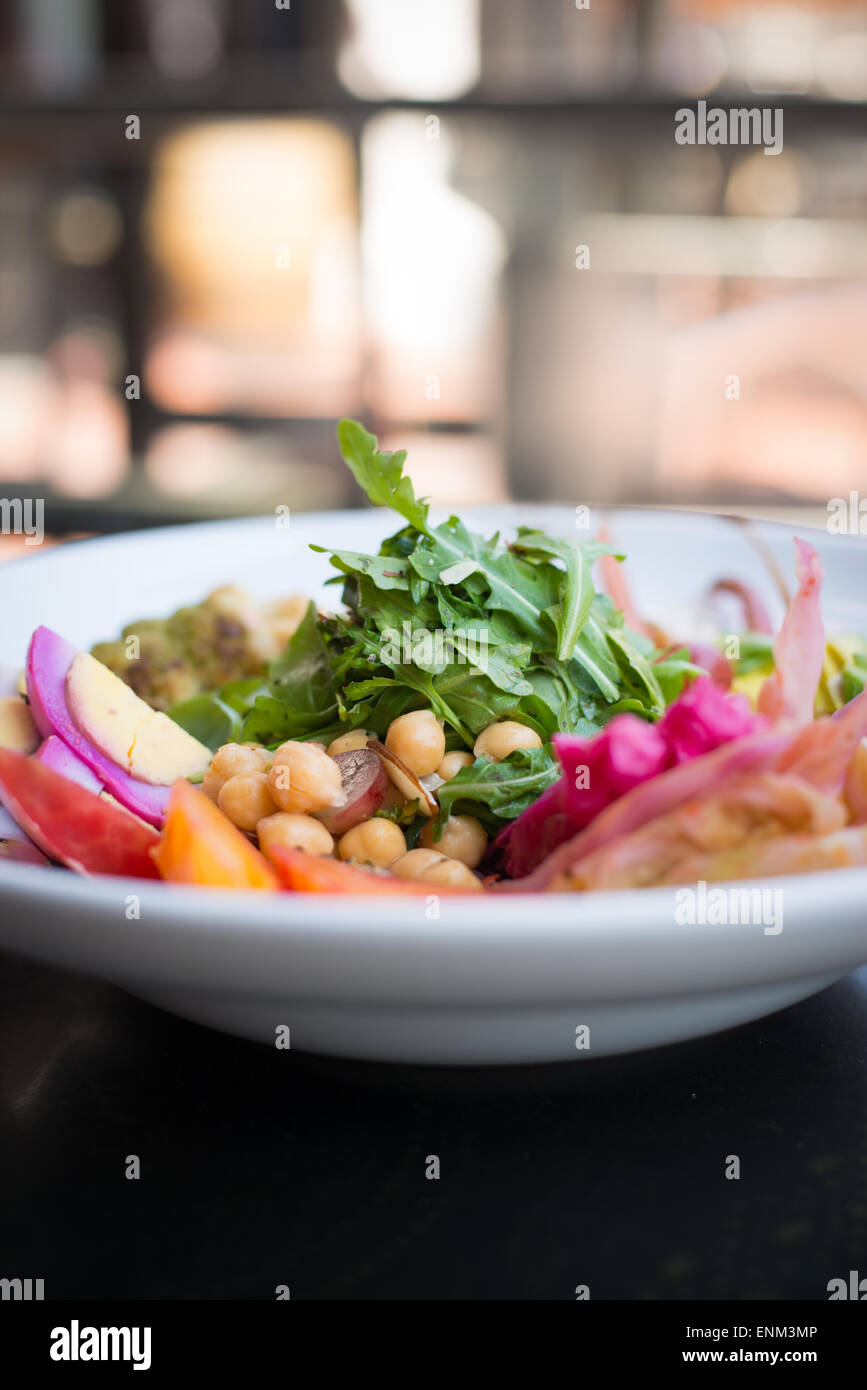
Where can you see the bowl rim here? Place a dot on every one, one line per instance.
(575, 914)
(344, 515)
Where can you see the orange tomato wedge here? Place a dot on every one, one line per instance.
(200, 845)
(312, 873)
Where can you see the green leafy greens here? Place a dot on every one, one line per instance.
(473, 628)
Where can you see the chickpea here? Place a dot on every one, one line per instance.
(452, 764)
(416, 863)
(234, 759)
(430, 867)
(497, 741)
(212, 782)
(453, 874)
(463, 838)
(347, 743)
(418, 740)
(246, 800)
(293, 832)
(303, 778)
(376, 841)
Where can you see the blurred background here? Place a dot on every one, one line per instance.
(226, 223)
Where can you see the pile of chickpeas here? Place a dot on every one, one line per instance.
(280, 796)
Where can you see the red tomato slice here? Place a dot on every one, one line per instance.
(75, 826)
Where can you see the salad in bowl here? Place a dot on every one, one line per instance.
(473, 714)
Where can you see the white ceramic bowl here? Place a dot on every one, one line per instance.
(494, 979)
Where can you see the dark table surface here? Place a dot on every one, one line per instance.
(261, 1168)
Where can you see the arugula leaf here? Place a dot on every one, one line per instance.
(560, 700)
(386, 571)
(501, 664)
(494, 792)
(301, 676)
(571, 612)
(593, 652)
(418, 588)
(300, 699)
(217, 717)
(390, 609)
(209, 719)
(241, 694)
(379, 473)
(473, 700)
(512, 584)
(272, 722)
(638, 666)
(672, 671)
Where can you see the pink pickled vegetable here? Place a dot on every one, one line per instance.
(601, 768)
(536, 833)
(626, 753)
(820, 757)
(703, 717)
(54, 753)
(789, 693)
(657, 797)
(596, 771)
